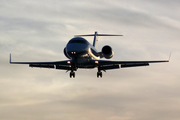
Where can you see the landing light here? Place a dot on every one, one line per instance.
(73, 52)
(96, 62)
(68, 62)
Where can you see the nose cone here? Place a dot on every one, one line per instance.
(77, 47)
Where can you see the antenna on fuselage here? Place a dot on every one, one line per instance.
(96, 36)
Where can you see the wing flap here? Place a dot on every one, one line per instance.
(134, 65)
(63, 67)
(42, 65)
(109, 67)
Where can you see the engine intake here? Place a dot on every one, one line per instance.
(107, 52)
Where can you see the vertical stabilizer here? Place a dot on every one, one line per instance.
(95, 42)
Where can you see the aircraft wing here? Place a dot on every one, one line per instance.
(106, 65)
(64, 65)
(56, 64)
(101, 64)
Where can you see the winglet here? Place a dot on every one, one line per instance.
(10, 58)
(169, 56)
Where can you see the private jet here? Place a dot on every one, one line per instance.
(83, 55)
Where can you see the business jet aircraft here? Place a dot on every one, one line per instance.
(82, 54)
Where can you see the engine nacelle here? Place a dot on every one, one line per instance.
(107, 52)
(66, 54)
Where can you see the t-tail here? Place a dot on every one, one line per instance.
(95, 41)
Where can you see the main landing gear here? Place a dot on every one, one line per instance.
(72, 74)
(99, 74)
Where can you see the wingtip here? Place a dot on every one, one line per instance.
(10, 58)
(169, 56)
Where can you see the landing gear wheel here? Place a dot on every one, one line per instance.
(99, 74)
(72, 74)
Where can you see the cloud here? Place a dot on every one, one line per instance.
(39, 30)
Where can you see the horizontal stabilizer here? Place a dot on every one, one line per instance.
(98, 35)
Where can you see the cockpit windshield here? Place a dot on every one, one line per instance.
(78, 40)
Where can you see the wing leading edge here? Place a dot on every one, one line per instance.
(124, 64)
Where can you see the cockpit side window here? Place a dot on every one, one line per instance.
(78, 40)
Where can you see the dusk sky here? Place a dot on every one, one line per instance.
(38, 30)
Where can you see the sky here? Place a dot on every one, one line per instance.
(39, 30)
